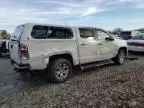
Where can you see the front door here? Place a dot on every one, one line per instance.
(105, 48)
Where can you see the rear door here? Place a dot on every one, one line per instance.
(14, 43)
(87, 45)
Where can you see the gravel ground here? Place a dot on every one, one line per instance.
(107, 86)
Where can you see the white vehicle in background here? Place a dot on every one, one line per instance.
(3, 42)
(136, 33)
(136, 43)
(2, 47)
(58, 48)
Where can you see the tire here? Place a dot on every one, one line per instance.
(120, 58)
(60, 70)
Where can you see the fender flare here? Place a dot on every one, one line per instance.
(47, 58)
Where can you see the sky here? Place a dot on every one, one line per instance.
(106, 14)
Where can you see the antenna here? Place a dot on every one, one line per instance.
(65, 22)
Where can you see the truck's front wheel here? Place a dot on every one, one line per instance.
(60, 70)
(120, 58)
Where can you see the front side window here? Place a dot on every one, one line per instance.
(102, 34)
(86, 33)
(48, 32)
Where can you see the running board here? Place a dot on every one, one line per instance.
(96, 64)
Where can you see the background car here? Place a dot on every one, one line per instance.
(126, 35)
(136, 43)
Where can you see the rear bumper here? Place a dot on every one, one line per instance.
(20, 67)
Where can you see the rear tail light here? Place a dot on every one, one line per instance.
(24, 52)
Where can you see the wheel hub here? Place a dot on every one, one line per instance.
(62, 71)
(121, 57)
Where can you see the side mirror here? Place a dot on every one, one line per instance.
(109, 39)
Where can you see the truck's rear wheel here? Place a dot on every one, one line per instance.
(0, 54)
(120, 58)
(60, 70)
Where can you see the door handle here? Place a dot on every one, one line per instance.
(83, 44)
(99, 44)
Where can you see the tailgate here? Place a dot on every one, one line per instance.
(14, 51)
(14, 44)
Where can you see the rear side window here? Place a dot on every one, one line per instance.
(49, 32)
(86, 32)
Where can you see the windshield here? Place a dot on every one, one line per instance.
(17, 33)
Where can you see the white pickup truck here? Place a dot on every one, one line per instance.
(58, 48)
(3, 42)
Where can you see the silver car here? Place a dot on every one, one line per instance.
(136, 43)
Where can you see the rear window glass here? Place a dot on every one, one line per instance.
(49, 32)
(86, 32)
(125, 33)
(17, 33)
